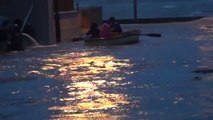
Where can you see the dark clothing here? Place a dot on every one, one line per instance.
(115, 27)
(94, 33)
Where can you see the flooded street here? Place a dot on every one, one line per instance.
(151, 80)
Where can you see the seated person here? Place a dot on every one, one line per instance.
(105, 31)
(114, 25)
(94, 32)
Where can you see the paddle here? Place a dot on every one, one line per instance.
(27, 17)
(148, 34)
(76, 39)
(151, 34)
(137, 32)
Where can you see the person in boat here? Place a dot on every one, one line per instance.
(114, 26)
(94, 32)
(16, 36)
(105, 30)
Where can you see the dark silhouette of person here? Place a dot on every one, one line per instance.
(105, 30)
(27, 28)
(114, 25)
(16, 36)
(93, 32)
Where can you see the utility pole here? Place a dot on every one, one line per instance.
(136, 10)
(57, 22)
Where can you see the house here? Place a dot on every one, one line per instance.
(42, 17)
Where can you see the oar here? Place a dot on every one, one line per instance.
(76, 39)
(27, 17)
(152, 34)
(148, 34)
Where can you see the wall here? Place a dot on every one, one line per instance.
(65, 5)
(90, 15)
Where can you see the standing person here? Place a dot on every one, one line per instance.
(105, 30)
(114, 25)
(94, 32)
(16, 43)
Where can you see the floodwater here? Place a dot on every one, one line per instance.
(151, 80)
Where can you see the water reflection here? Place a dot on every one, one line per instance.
(206, 48)
(93, 91)
(206, 34)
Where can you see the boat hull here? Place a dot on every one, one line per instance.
(129, 37)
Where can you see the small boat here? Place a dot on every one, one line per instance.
(124, 38)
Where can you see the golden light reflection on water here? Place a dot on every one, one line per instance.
(91, 93)
(206, 48)
(206, 39)
(208, 33)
